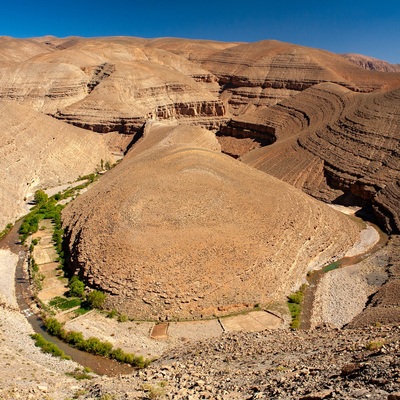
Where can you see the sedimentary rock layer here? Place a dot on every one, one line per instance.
(371, 63)
(179, 230)
(266, 72)
(336, 144)
(37, 151)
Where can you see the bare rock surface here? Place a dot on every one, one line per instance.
(336, 145)
(180, 230)
(317, 364)
(29, 161)
(371, 63)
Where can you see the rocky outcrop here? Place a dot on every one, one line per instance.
(337, 144)
(264, 73)
(179, 230)
(30, 161)
(371, 63)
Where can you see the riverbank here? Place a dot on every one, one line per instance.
(343, 293)
(24, 369)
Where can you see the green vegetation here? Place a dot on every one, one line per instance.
(294, 304)
(122, 318)
(76, 287)
(40, 197)
(155, 392)
(64, 304)
(79, 374)
(112, 313)
(93, 345)
(36, 277)
(43, 210)
(6, 230)
(375, 345)
(96, 299)
(48, 347)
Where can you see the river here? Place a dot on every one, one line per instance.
(99, 365)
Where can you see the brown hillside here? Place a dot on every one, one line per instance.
(37, 151)
(180, 230)
(19, 50)
(331, 141)
(264, 73)
(371, 63)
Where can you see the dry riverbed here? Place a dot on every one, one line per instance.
(343, 293)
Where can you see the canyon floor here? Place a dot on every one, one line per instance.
(199, 360)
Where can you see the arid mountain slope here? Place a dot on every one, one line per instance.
(19, 50)
(371, 63)
(179, 230)
(37, 151)
(113, 84)
(264, 73)
(335, 143)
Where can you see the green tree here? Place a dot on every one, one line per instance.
(40, 197)
(96, 299)
(76, 287)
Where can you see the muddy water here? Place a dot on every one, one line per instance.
(315, 277)
(97, 364)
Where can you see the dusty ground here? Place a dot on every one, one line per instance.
(343, 293)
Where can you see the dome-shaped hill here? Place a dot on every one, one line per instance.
(180, 230)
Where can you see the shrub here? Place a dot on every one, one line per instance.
(122, 318)
(75, 339)
(54, 327)
(96, 299)
(76, 287)
(375, 345)
(40, 197)
(112, 313)
(294, 304)
(48, 347)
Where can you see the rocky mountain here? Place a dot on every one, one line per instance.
(371, 63)
(337, 145)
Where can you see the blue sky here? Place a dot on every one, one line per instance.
(367, 27)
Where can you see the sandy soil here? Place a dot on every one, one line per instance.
(368, 238)
(343, 293)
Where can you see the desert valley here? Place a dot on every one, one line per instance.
(237, 205)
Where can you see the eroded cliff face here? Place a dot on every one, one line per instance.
(106, 85)
(337, 144)
(371, 63)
